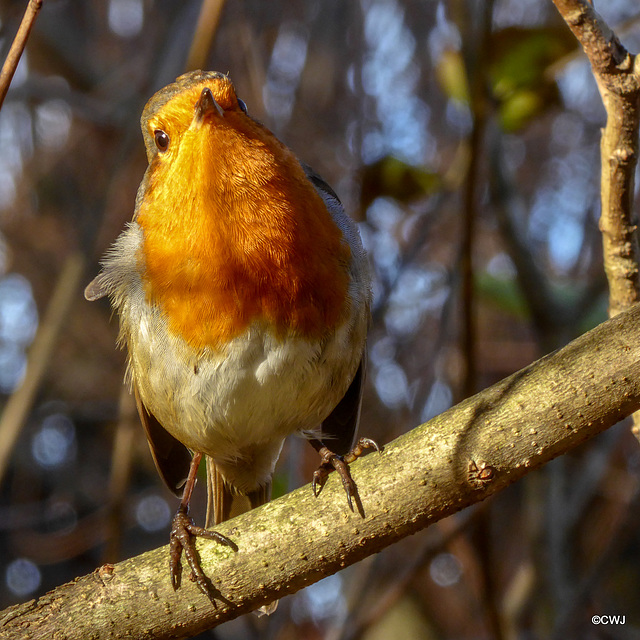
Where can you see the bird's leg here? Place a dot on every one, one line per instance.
(183, 532)
(331, 460)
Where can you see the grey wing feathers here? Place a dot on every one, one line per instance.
(172, 458)
(339, 430)
(319, 183)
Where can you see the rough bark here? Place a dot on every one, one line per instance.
(617, 73)
(459, 458)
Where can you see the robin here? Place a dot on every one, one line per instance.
(243, 294)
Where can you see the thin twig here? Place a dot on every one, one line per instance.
(571, 619)
(205, 30)
(19, 43)
(477, 71)
(19, 404)
(615, 72)
(549, 317)
(121, 466)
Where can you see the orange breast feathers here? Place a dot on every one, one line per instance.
(234, 232)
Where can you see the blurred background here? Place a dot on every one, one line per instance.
(463, 137)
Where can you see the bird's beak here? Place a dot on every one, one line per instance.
(206, 104)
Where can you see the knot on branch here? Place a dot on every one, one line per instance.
(626, 64)
(621, 74)
(622, 156)
(480, 474)
(612, 64)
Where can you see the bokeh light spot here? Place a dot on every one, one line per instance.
(153, 513)
(54, 443)
(22, 577)
(126, 17)
(445, 570)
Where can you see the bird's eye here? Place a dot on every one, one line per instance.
(242, 105)
(162, 140)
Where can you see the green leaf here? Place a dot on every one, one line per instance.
(393, 178)
(519, 69)
(452, 76)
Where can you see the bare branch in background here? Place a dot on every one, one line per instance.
(20, 403)
(19, 43)
(205, 31)
(478, 102)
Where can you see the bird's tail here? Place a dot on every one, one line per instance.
(223, 503)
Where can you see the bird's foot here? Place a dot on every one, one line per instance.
(331, 461)
(183, 534)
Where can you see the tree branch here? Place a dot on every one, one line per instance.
(17, 47)
(477, 70)
(616, 73)
(457, 459)
(618, 78)
(206, 28)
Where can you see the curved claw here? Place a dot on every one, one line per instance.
(358, 449)
(341, 464)
(183, 532)
(320, 476)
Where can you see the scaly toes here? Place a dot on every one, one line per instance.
(341, 464)
(331, 461)
(182, 538)
(342, 467)
(358, 449)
